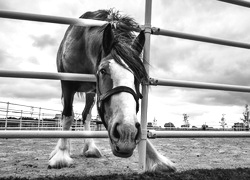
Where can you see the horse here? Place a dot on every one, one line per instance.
(113, 53)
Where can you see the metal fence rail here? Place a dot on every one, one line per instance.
(53, 134)
(50, 19)
(158, 31)
(48, 75)
(104, 134)
(198, 134)
(92, 78)
(237, 2)
(199, 85)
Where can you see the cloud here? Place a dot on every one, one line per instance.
(33, 60)
(43, 41)
(8, 61)
(3, 57)
(4, 5)
(29, 89)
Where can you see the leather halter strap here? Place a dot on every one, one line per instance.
(109, 93)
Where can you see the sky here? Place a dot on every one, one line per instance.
(32, 46)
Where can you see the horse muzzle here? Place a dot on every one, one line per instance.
(122, 150)
(124, 138)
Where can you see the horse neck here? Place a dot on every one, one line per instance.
(92, 40)
(79, 49)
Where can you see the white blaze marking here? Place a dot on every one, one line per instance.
(123, 101)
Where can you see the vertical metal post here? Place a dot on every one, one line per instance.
(39, 119)
(42, 122)
(7, 113)
(31, 112)
(144, 103)
(21, 119)
(76, 125)
(247, 128)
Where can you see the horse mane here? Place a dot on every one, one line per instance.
(123, 37)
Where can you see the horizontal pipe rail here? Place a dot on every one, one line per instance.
(50, 19)
(53, 134)
(59, 19)
(104, 134)
(48, 75)
(199, 134)
(158, 31)
(91, 78)
(199, 85)
(237, 2)
(88, 22)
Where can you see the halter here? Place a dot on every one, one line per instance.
(101, 98)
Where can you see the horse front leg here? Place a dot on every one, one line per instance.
(60, 156)
(157, 162)
(89, 149)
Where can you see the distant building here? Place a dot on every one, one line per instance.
(185, 126)
(150, 124)
(239, 127)
(169, 125)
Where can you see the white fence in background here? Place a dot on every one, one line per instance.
(22, 117)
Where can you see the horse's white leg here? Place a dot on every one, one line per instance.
(90, 149)
(156, 161)
(60, 156)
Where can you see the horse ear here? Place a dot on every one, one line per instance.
(138, 43)
(108, 39)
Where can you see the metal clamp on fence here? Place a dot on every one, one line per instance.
(155, 30)
(146, 29)
(153, 81)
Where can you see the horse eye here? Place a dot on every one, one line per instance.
(103, 71)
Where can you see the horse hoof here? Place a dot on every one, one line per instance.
(90, 150)
(161, 165)
(164, 168)
(60, 160)
(93, 153)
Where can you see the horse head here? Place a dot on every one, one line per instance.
(119, 74)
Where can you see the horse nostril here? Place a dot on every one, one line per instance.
(117, 148)
(137, 125)
(138, 135)
(115, 132)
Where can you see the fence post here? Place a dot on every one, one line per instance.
(21, 118)
(7, 112)
(144, 103)
(39, 118)
(42, 120)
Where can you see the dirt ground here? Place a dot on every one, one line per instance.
(29, 157)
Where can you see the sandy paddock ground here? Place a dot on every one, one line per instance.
(29, 157)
